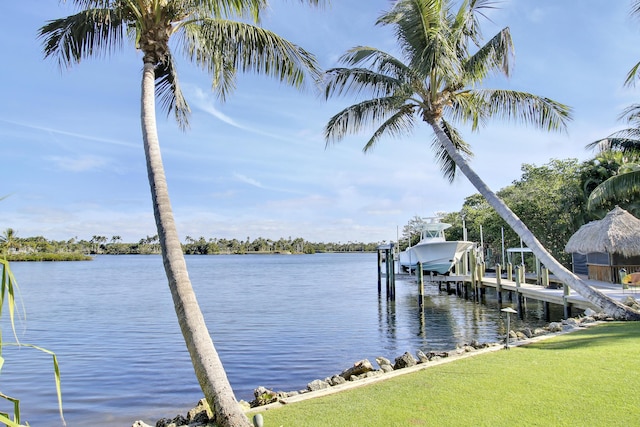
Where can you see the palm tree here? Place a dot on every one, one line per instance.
(9, 240)
(625, 186)
(439, 82)
(218, 36)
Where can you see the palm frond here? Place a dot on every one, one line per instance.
(631, 115)
(466, 21)
(447, 165)
(376, 60)
(225, 47)
(625, 186)
(495, 55)
(169, 93)
(354, 118)
(340, 81)
(423, 32)
(468, 107)
(626, 141)
(528, 109)
(400, 123)
(82, 35)
(632, 75)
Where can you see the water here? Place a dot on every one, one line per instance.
(277, 321)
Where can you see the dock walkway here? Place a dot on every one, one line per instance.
(561, 295)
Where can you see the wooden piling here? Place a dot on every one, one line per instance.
(379, 272)
(420, 285)
(499, 283)
(566, 304)
(518, 294)
(545, 276)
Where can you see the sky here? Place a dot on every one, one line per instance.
(256, 165)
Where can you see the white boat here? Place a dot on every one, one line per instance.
(433, 251)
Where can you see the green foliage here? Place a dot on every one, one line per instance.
(583, 378)
(548, 199)
(8, 289)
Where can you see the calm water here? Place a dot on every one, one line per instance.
(277, 321)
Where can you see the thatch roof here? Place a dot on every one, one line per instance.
(618, 232)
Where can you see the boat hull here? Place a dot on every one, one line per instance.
(437, 257)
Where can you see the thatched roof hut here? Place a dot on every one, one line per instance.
(612, 242)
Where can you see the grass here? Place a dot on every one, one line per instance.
(589, 377)
(48, 256)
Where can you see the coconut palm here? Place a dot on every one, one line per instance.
(625, 186)
(438, 81)
(221, 36)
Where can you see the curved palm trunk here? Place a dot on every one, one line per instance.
(610, 306)
(207, 365)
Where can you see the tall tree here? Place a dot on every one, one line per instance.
(222, 37)
(439, 81)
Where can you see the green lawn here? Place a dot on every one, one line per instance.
(587, 378)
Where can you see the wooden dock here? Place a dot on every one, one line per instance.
(552, 293)
(513, 285)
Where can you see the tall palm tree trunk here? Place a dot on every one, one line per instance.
(207, 365)
(610, 306)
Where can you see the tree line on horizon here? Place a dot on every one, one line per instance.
(13, 246)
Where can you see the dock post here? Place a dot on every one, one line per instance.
(499, 282)
(545, 311)
(392, 281)
(518, 294)
(387, 276)
(545, 276)
(420, 285)
(509, 271)
(566, 304)
(379, 272)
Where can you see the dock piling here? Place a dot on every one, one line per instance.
(420, 285)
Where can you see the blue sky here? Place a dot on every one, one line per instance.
(256, 165)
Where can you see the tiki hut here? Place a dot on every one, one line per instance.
(606, 246)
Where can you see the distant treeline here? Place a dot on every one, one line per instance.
(35, 248)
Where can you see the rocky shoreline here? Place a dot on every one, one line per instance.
(201, 415)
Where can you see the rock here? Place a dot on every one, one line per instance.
(357, 369)
(140, 424)
(263, 396)
(589, 312)
(586, 320)
(539, 331)
(520, 335)
(382, 361)
(432, 355)
(555, 327)
(422, 358)
(386, 368)
(570, 321)
(631, 302)
(201, 413)
(527, 332)
(337, 380)
(178, 421)
(405, 361)
(316, 385)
